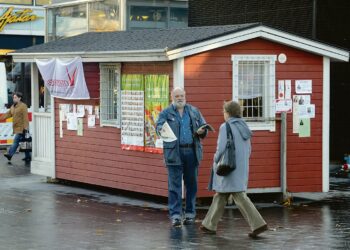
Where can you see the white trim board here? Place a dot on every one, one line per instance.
(264, 190)
(266, 33)
(179, 73)
(325, 124)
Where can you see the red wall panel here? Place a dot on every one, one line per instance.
(208, 82)
(96, 158)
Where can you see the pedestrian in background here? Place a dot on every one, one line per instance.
(236, 182)
(20, 124)
(182, 156)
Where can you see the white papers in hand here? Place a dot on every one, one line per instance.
(167, 134)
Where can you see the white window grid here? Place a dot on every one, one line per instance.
(254, 88)
(110, 95)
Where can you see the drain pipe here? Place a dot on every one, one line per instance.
(283, 156)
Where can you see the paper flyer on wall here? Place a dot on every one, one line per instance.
(156, 99)
(97, 112)
(65, 108)
(132, 109)
(295, 115)
(304, 127)
(80, 126)
(91, 121)
(302, 99)
(307, 111)
(88, 109)
(72, 121)
(80, 110)
(303, 86)
(280, 89)
(61, 116)
(284, 106)
(288, 89)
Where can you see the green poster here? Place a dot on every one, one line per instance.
(304, 127)
(132, 82)
(156, 99)
(132, 112)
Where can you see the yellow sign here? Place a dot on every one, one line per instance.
(3, 52)
(20, 16)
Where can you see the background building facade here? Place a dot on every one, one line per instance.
(22, 24)
(71, 18)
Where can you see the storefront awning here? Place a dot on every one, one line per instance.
(3, 52)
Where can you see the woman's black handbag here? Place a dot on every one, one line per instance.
(227, 162)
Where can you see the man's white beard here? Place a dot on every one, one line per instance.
(179, 105)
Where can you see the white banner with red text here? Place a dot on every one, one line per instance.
(64, 79)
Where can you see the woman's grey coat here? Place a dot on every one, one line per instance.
(236, 181)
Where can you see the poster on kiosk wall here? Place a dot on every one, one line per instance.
(132, 109)
(156, 99)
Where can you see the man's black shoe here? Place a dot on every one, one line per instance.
(26, 159)
(176, 223)
(8, 156)
(188, 221)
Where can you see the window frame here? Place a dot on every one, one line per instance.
(117, 69)
(268, 122)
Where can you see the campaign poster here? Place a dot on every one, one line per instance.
(156, 99)
(132, 109)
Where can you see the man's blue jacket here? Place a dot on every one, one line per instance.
(171, 150)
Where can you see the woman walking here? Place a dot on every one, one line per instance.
(236, 182)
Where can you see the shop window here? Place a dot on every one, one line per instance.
(67, 21)
(17, 2)
(178, 18)
(110, 94)
(254, 89)
(148, 17)
(44, 96)
(104, 16)
(19, 80)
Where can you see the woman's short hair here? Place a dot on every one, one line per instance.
(18, 94)
(233, 109)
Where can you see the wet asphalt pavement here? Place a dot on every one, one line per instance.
(35, 214)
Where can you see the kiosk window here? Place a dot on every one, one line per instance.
(110, 94)
(254, 89)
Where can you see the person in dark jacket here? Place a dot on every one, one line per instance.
(20, 123)
(183, 155)
(236, 182)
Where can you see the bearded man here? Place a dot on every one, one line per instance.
(182, 156)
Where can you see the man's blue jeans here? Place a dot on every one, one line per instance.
(18, 138)
(189, 171)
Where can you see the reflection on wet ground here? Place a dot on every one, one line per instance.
(37, 215)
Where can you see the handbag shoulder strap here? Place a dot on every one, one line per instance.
(229, 132)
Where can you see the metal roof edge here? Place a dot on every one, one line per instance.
(303, 43)
(266, 32)
(107, 54)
